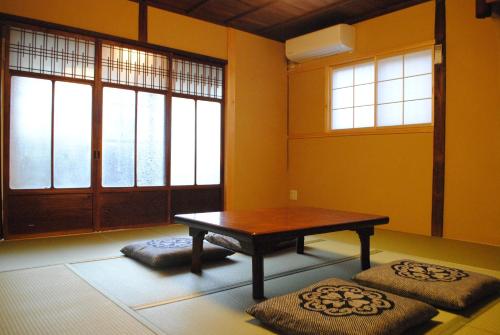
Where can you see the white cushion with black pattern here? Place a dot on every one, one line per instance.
(233, 244)
(336, 306)
(171, 251)
(435, 284)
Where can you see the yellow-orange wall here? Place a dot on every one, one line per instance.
(472, 179)
(256, 120)
(389, 173)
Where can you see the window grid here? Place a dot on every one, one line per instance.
(133, 67)
(376, 82)
(41, 52)
(197, 79)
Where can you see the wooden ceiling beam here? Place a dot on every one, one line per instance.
(198, 5)
(250, 11)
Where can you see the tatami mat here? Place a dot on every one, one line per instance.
(138, 286)
(24, 254)
(53, 300)
(222, 312)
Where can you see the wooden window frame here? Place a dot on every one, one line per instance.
(375, 129)
(97, 86)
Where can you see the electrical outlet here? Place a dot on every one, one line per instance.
(294, 194)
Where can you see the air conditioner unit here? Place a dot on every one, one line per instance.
(321, 43)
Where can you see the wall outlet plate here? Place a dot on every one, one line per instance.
(294, 194)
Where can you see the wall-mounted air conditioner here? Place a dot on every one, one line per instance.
(321, 43)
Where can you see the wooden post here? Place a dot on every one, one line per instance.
(439, 122)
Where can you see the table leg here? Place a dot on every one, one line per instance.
(258, 276)
(300, 245)
(197, 236)
(364, 237)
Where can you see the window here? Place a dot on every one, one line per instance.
(37, 161)
(196, 142)
(389, 91)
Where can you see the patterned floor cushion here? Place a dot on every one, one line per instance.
(234, 244)
(171, 251)
(435, 284)
(336, 306)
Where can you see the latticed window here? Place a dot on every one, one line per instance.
(197, 79)
(40, 52)
(134, 67)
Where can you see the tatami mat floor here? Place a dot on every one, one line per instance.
(47, 285)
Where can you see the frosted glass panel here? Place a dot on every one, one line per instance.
(419, 87)
(208, 123)
(150, 139)
(364, 117)
(30, 133)
(342, 118)
(390, 68)
(419, 111)
(72, 134)
(342, 98)
(418, 63)
(390, 114)
(342, 77)
(183, 136)
(363, 95)
(390, 91)
(364, 73)
(118, 137)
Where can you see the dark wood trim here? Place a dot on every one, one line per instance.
(483, 9)
(439, 123)
(143, 21)
(6, 132)
(16, 20)
(196, 6)
(3, 48)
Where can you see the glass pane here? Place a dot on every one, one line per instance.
(150, 139)
(342, 77)
(118, 137)
(418, 87)
(418, 63)
(183, 128)
(208, 131)
(30, 133)
(342, 118)
(364, 73)
(390, 68)
(390, 91)
(342, 98)
(364, 95)
(364, 117)
(72, 134)
(418, 111)
(390, 114)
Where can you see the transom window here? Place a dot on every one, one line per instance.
(390, 91)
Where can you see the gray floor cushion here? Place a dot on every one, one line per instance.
(171, 251)
(336, 306)
(234, 244)
(435, 284)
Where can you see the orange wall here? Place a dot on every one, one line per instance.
(184, 33)
(389, 173)
(472, 177)
(114, 17)
(256, 173)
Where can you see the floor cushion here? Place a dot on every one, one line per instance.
(336, 306)
(438, 285)
(171, 251)
(233, 244)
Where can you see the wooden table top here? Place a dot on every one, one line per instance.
(279, 220)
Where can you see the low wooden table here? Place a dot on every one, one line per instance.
(258, 230)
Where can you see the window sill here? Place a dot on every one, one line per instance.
(366, 131)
